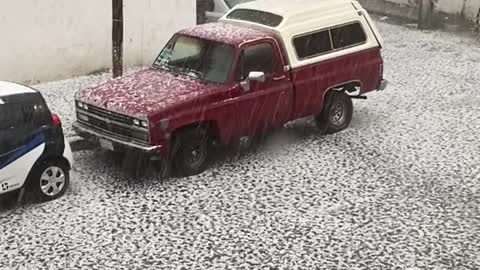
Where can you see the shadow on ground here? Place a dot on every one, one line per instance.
(137, 167)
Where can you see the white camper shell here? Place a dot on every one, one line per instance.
(289, 19)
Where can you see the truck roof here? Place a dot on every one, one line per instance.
(288, 19)
(296, 11)
(225, 33)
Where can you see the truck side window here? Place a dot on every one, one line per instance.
(348, 35)
(259, 57)
(313, 44)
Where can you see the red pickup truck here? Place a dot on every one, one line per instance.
(263, 64)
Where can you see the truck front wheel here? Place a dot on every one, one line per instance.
(193, 152)
(336, 114)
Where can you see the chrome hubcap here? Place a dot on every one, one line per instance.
(52, 181)
(337, 114)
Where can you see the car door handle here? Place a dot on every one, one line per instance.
(279, 78)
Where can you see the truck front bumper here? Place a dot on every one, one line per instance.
(383, 85)
(95, 135)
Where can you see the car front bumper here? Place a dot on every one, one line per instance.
(95, 135)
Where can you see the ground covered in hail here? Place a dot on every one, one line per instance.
(399, 189)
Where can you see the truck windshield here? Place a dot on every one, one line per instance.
(206, 60)
(232, 3)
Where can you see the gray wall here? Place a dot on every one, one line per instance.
(54, 39)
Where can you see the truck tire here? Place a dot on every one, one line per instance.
(336, 114)
(193, 152)
(49, 181)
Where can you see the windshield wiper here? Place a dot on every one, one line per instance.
(186, 71)
(194, 73)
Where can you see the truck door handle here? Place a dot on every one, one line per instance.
(279, 78)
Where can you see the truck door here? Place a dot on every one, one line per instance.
(267, 103)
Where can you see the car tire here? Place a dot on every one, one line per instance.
(49, 181)
(9, 200)
(336, 114)
(193, 152)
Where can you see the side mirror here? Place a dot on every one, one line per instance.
(254, 76)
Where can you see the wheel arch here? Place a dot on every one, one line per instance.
(60, 159)
(347, 87)
(211, 126)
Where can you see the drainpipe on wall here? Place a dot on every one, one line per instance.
(117, 38)
(425, 14)
(477, 22)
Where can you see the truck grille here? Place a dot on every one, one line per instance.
(113, 123)
(110, 115)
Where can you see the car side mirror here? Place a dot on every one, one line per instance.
(254, 76)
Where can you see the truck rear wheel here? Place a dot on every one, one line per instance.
(336, 114)
(193, 152)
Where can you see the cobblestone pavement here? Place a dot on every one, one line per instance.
(398, 190)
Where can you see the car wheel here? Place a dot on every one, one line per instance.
(49, 181)
(193, 152)
(336, 114)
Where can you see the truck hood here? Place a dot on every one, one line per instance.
(145, 92)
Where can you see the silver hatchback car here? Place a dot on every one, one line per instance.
(218, 8)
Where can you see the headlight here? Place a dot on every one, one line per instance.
(82, 105)
(140, 123)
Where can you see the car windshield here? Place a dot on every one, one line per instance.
(206, 60)
(232, 3)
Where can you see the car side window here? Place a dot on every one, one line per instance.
(260, 57)
(28, 116)
(10, 116)
(10, 120)
(20, 121)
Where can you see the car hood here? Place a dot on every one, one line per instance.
(145, 92)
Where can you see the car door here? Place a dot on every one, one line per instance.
(22, 141)
(266, 103)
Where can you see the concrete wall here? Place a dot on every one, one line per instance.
(467, 9)
(43, 40)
